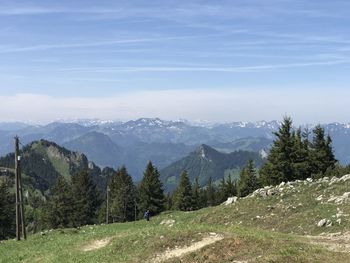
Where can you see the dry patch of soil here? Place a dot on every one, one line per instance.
(339, 242)
(178, 252)
(97, 244)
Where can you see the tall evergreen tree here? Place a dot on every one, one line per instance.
(151, 193)
(7, 213)
(86, 199)
(322, 157)
(211, 193)
(279, 165)
(196, 194)
(248, 181)
(301, 155)
(60, 207)
(183, 194)
(230, 187)
(122, 196)
(169, 202)
(222, 194)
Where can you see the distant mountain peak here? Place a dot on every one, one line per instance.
(201, 151)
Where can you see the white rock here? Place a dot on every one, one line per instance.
(319, 198)
(345, 177)
(322, 222)
(271, 192)
(230, 200)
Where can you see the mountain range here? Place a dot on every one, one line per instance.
(133, 143)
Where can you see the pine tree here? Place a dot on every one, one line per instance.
(222, 194)
(231, 187)
(322, 157)
(122, 196)
(60, 207)
(7, 213)
(169, 204)
(210, 193)
(196, 194)
(248, 181)
(151, 194)
(86, 199)
(301, 156)
(279, 165)
(183, 194)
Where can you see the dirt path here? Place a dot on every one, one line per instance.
(97, 244)
(178, 252)
(339, 242)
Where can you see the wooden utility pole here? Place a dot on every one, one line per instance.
(20, 216)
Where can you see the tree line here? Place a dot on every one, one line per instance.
(294, 155)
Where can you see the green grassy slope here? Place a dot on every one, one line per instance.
(254, 229)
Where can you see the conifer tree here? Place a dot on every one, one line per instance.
(183, 194)
(230, 187)
(7, 213)
(122, 196)
(222, 194)
(169, 204)
(151, 193)
(248, 181)
(279, 165)
(210, 193)
(301, 156)
(86, 199)
(60, 208)
(196, 194)
(322, 157)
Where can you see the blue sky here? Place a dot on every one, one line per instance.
(75, 53)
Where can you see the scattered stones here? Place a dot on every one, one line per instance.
(345, 198)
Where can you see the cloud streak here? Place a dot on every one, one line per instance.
(254, 68)
(98, 43)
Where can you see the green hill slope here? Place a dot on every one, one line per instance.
(43, 161)
(275, 224)
(206, 162)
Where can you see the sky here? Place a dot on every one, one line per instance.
(221, 61)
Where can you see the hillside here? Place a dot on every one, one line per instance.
(274, 224)
(43, 161)
(98, 147)
(206, 162)
(252, 144)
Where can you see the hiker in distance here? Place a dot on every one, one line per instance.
(146, 215)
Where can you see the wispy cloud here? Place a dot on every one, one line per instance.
(255, 68)
(98, 43)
